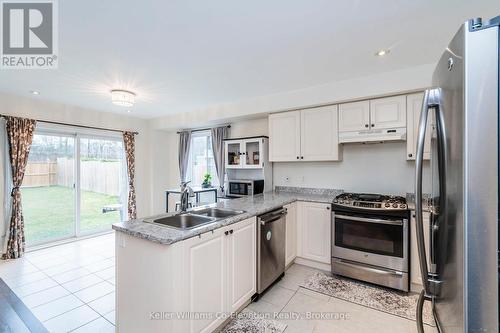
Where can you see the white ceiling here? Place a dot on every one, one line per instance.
(183, 55)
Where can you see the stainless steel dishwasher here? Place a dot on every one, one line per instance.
(271, 233)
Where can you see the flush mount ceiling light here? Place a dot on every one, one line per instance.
(34, 92)
(122, 97)
(382, 52)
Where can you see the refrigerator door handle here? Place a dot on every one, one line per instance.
(431, 101)
(418, 190)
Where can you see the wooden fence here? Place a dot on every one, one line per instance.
(95, 176)
(40, 174)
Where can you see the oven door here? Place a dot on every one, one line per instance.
(370, 239)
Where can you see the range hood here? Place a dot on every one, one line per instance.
(378, 135)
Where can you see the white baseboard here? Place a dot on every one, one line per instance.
(313, 264)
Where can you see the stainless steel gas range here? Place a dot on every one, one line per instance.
(370, 239)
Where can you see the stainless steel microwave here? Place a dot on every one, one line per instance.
(244, 187)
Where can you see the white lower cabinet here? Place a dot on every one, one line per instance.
(206, 275)
(415, 276)
(314, 231)
(221, 272)
(242, 251)
(291, 233)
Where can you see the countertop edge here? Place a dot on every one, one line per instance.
(149, 236)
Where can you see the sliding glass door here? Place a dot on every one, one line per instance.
(74, 185)
(102, 184)
(48, 191)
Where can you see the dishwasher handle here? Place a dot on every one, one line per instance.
(272, 216)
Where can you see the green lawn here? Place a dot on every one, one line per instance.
(49, 213)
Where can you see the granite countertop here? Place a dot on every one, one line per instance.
(253, 206)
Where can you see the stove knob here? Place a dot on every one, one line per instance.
(335, 201)
(387, 205)
(403, 206)
(395, 205)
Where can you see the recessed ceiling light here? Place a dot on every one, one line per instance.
(122, 97)
(382, 52)
(128, 111)
(34, 92)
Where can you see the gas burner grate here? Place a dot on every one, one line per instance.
(371, 201)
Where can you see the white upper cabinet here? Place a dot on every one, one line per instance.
(253, 150)
(354, 116)
(319, 140)
(245, 153)
(414, 107)
(306, 135)
(234, 154)
(284, 136)
(389, 112)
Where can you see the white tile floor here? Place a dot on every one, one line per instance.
(71, 288)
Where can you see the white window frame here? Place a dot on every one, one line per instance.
(207, 133)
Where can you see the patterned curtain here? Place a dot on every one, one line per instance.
(129, 141)
(19, 135)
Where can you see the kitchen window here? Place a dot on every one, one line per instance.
(201, 159)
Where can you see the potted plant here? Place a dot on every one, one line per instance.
(207, 180)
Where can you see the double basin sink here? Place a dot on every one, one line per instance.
(195, 218)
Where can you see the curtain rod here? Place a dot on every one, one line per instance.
(204, 129)
(74, 125)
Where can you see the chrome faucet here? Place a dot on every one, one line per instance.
(186, 192)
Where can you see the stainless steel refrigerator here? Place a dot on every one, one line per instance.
(461, 278)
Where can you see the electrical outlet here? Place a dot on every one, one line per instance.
(287, 179)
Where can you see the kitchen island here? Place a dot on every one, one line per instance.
(171, 280)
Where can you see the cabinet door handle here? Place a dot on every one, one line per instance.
(301, 157)
(231, 231)
(328, 207)
(226, 232)
(410, 155)
(366, 125)
(373, 125)
(297, 157)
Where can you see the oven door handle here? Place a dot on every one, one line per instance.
(365, 219)
(368, 268)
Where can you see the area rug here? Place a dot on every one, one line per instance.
(252, 322)
(378, 298)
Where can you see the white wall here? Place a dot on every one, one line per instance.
(405, 80)
(375, 168)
